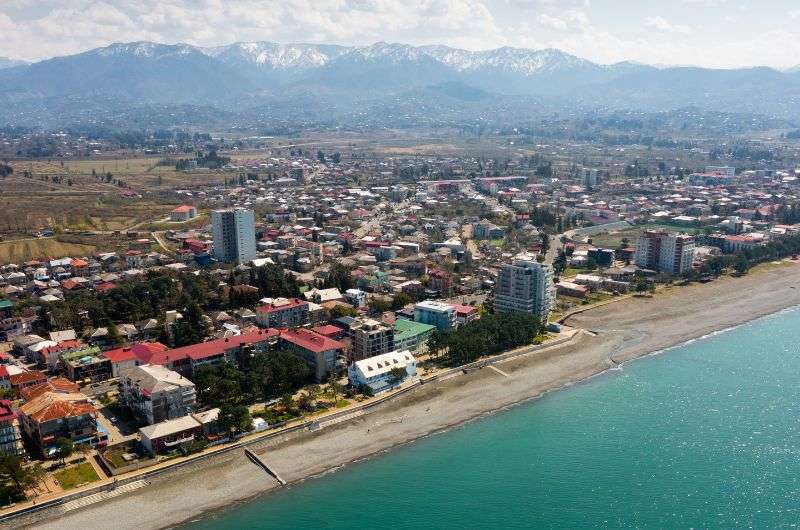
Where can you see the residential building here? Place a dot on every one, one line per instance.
(234, 235)
(370, 338)
(376, 372)
(356, 297)
(53, 415)
(412, 336)
(524, 286)
(171, 434)
(441, 282)
(155, 393)
(665, 252)
(320, 352)
(438, 314)
(282, 313)
(10, 438)
(183, 213)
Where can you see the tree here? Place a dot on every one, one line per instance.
(335, 387)
(234, 419)
(337, 157)
(192, 328)
(277, 373)
(20, 477)
(64, 449)
(400, 300)
(396, 375)
(741, 266)
(321, 156)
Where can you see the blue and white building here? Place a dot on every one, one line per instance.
(376, 372)
(438, 314)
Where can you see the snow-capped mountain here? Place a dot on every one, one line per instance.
(228, 77)
(5, 62)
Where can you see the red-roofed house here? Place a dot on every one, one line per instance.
(134, 355)
(283, 313)
(330, 331)
(183, 213)
(319, 351)
(26, 379)
(10, 439)
(54, 415)
(465, 314)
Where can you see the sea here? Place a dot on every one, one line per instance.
(704, 435)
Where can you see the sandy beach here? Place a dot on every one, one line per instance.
(621, 331)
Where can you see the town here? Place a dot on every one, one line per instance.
(292, 284)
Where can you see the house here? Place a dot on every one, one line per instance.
(572, 289)
(321, 296)
(320, 352)
(356, 297)
(53, 415)
(171, 434)
(377, 372)
(282, 313)
(155, 393)
(465, 314)
(183, 213)
(10, 438)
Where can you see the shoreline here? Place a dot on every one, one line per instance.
(625, 331)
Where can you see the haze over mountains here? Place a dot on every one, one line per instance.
(244, 76)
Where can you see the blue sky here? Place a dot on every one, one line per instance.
(716, 33)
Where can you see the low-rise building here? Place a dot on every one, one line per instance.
(183, 213)
(382, 372)
(282, 313)
(53, 415)
(412, 336)
(10, 438)
(320, 352)
(171, 434)
(155, 393)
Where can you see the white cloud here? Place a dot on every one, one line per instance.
(665, 26)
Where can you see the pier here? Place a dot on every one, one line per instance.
(263, 465)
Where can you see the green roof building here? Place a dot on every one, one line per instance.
(411, 336)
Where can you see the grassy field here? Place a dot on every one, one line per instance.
(75, 476)
(23, 250)
(613, 239)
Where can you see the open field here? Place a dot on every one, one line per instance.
(74, 476)
(613, 239)
(26, 249)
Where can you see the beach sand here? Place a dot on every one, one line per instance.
(622, 331)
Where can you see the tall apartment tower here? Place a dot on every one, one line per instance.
(589, 177)
(665, 252)
(524, 286)
(234, 235)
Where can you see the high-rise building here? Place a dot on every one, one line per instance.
(589, 177)
(234, 235)
(665, 252)
(524, 286)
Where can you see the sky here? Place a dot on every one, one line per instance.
(712, 33)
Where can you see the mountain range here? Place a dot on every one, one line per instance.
(242, 76)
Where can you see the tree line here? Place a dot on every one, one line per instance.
(490, 335)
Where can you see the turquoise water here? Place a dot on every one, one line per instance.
(703, 436)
